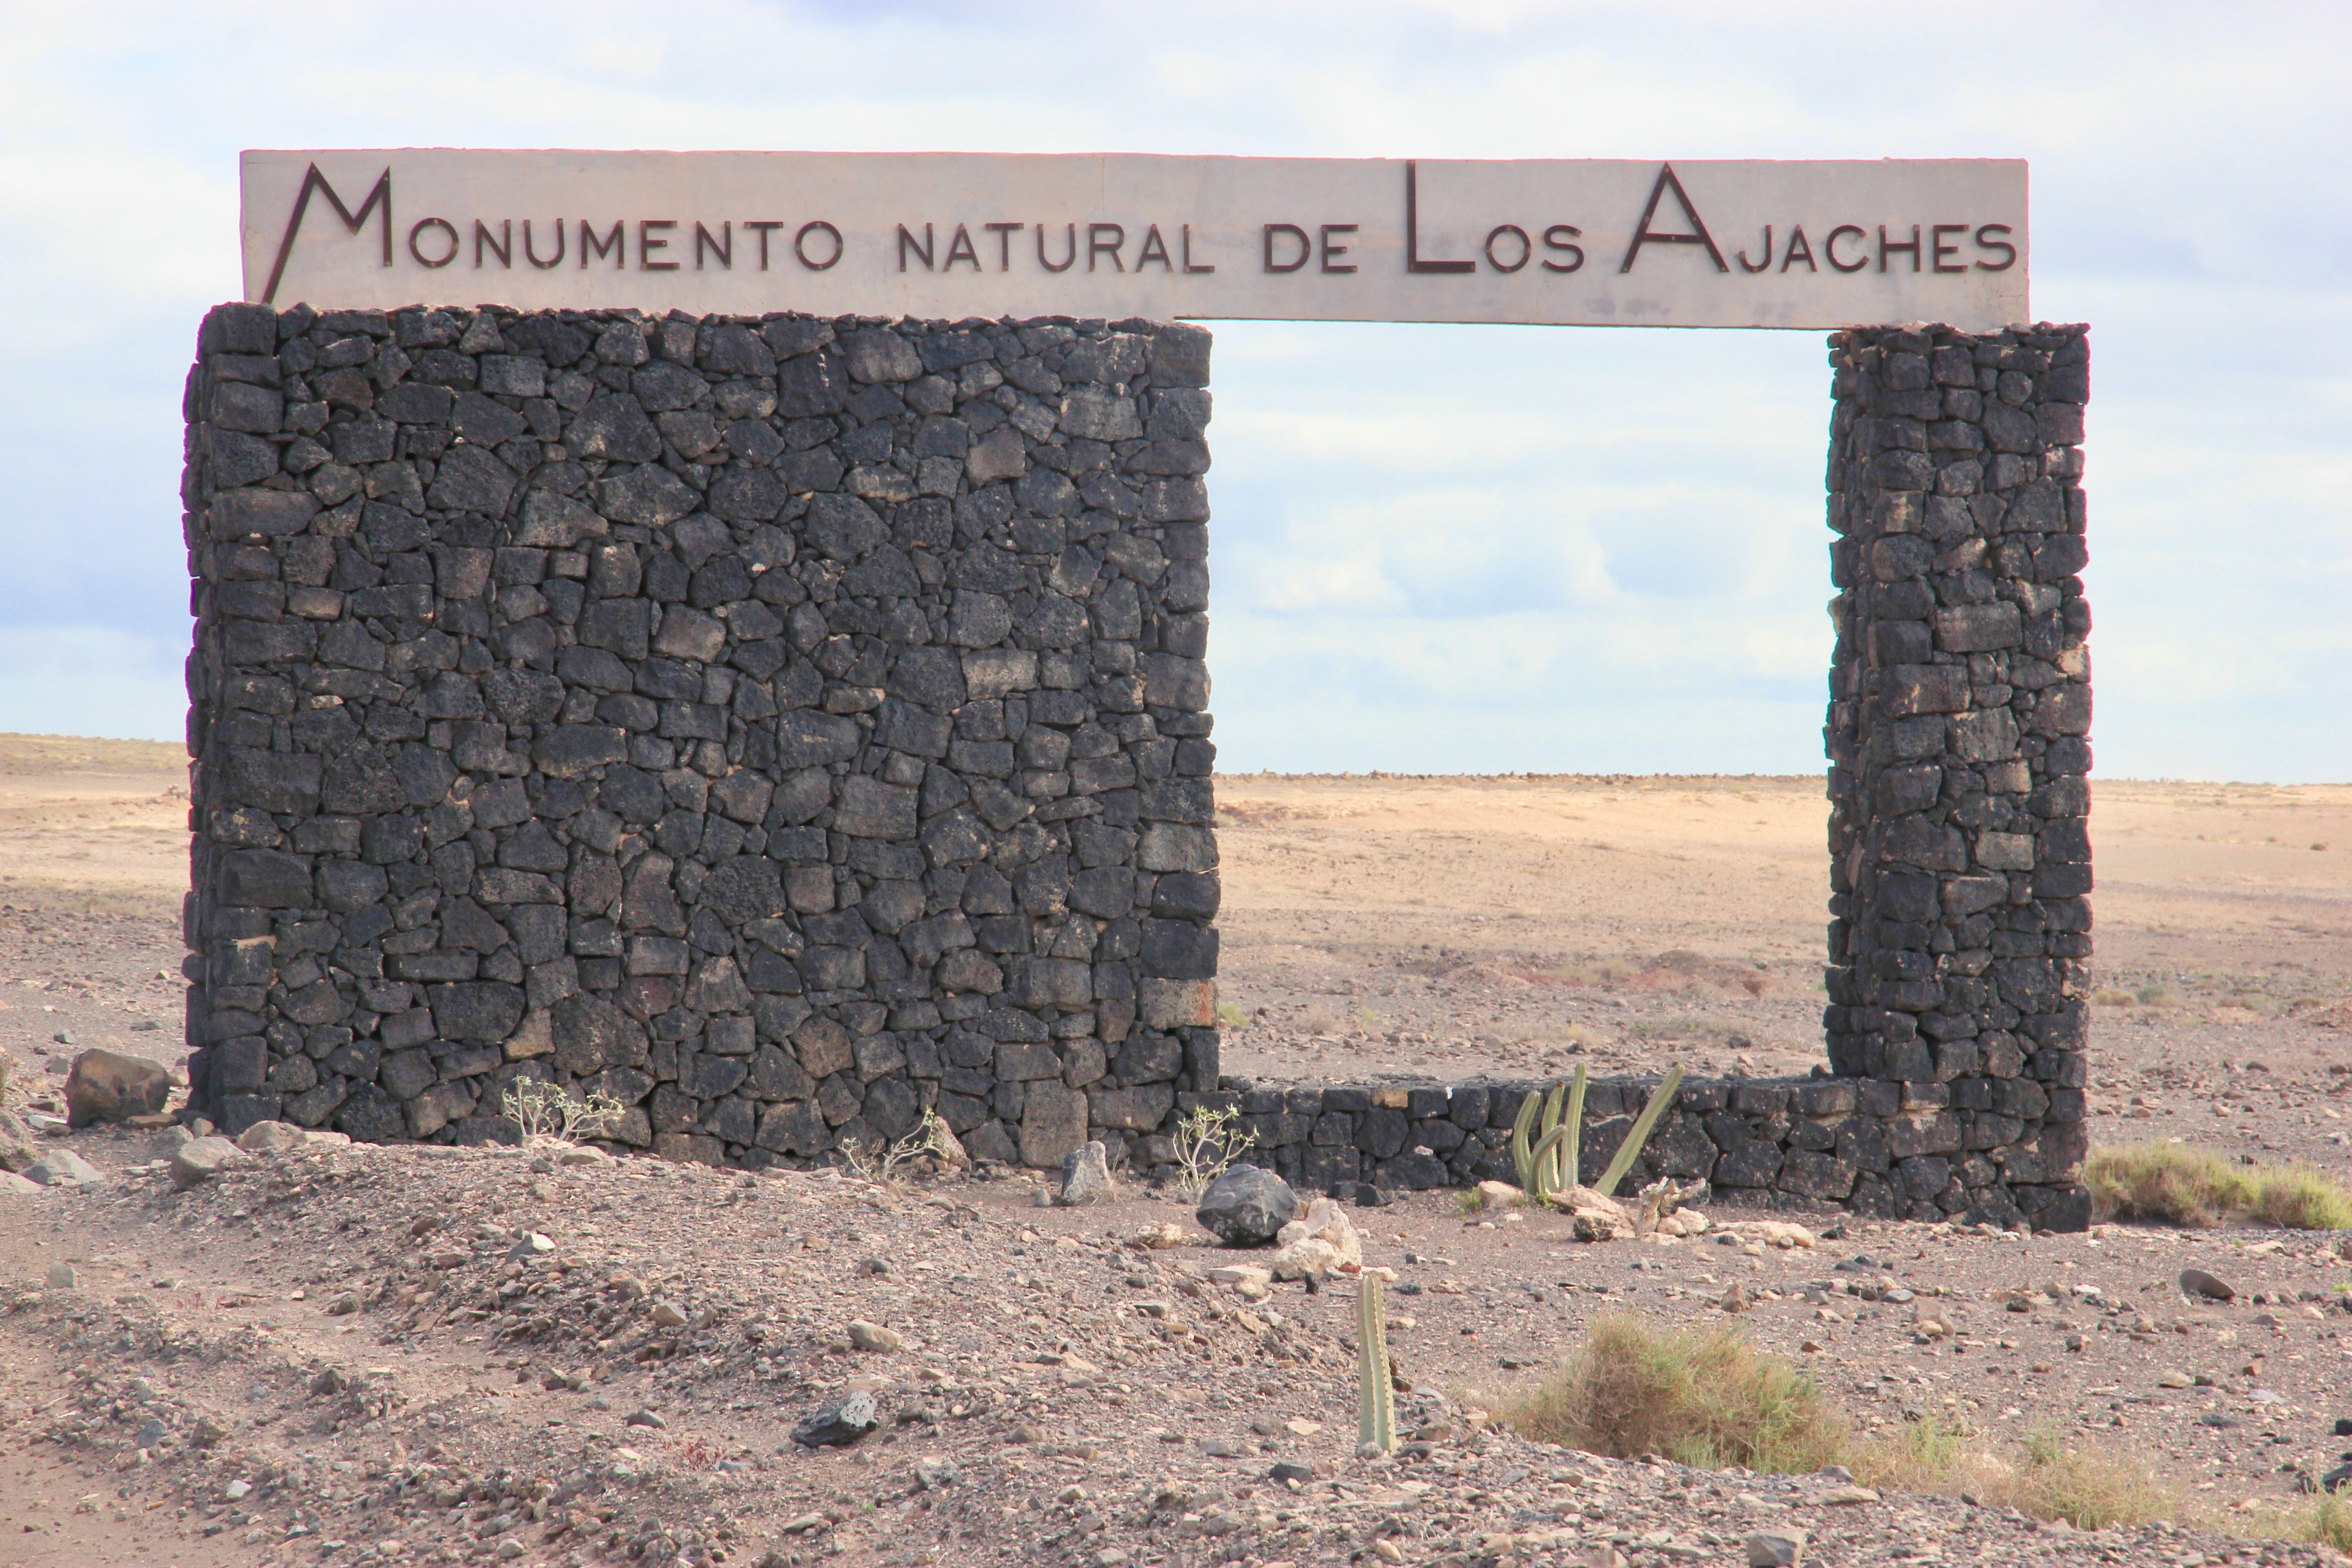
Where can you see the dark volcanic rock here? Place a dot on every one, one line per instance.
(838, 1425)
(1246, 1206)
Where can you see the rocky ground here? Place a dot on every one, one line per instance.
(400, 1355)
(352, 1354)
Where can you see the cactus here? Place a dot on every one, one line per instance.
(1523, 1158)
(1630, 1150)
(1546, 1136)
(1547, 1166)
(1375, 1399)
(1572, 1147)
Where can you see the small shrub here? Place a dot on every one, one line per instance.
(551, 1112)
(1207, 1142)
(2090, 1488)
(884, 1163)
(1702, 1396)
(2175, 1183)
(1708, 1397)
(1230, 1015)
(2297, 1197)
(2325, 1519)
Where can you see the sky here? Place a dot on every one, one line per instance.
(1436, 549)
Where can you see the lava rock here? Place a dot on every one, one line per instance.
(1363, 1194)
(1247, 1207)
(838, 1425)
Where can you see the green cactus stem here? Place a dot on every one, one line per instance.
(1630, 1150)
(1376, 1401)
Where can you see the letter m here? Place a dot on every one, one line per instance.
(354, 221)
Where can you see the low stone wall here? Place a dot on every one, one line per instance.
(1811, 1142)
(780, 725)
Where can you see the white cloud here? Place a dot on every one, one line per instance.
(1434, 546)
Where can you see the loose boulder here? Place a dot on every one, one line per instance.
(1592, 1217)
(107, 1086)
(201, 1159)
(2197, 1284)
(1321, 1242)
(16, 1147)
(1085, 1175)
(1247, 1207)
(271, 1138)
(838, 1425)
(63, 1168)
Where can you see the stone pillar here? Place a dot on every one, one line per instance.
(1960, 710)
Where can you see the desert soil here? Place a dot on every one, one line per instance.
(344, 1362)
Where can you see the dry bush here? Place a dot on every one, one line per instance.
(884, 1163)
(2325, 1519)
(1702, 1396)
(2183, 1185)
(2299, 1197)
(1207, 1142)
(549, 1112)
(1708, 1397)
(2090, 1488)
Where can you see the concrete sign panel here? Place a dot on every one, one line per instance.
(1815, 245)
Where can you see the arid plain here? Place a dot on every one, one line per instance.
(1379, 929)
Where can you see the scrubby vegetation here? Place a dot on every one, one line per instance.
(2183, 1185)
(1707, 1396)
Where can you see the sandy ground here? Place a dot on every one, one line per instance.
(1374, 928)
(1409, 929)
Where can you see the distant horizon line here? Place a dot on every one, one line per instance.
(1404, 776)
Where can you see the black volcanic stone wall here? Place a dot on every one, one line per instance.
(1959, 724)
(786, 725)
(782, 724)
(1820, 1142)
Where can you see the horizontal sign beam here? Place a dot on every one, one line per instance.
(1816, 245)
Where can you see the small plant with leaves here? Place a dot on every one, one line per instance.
(884, 1163)
(1207, 1142)
(1547, 1138)
(1375, 1393)
(551, 1112)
